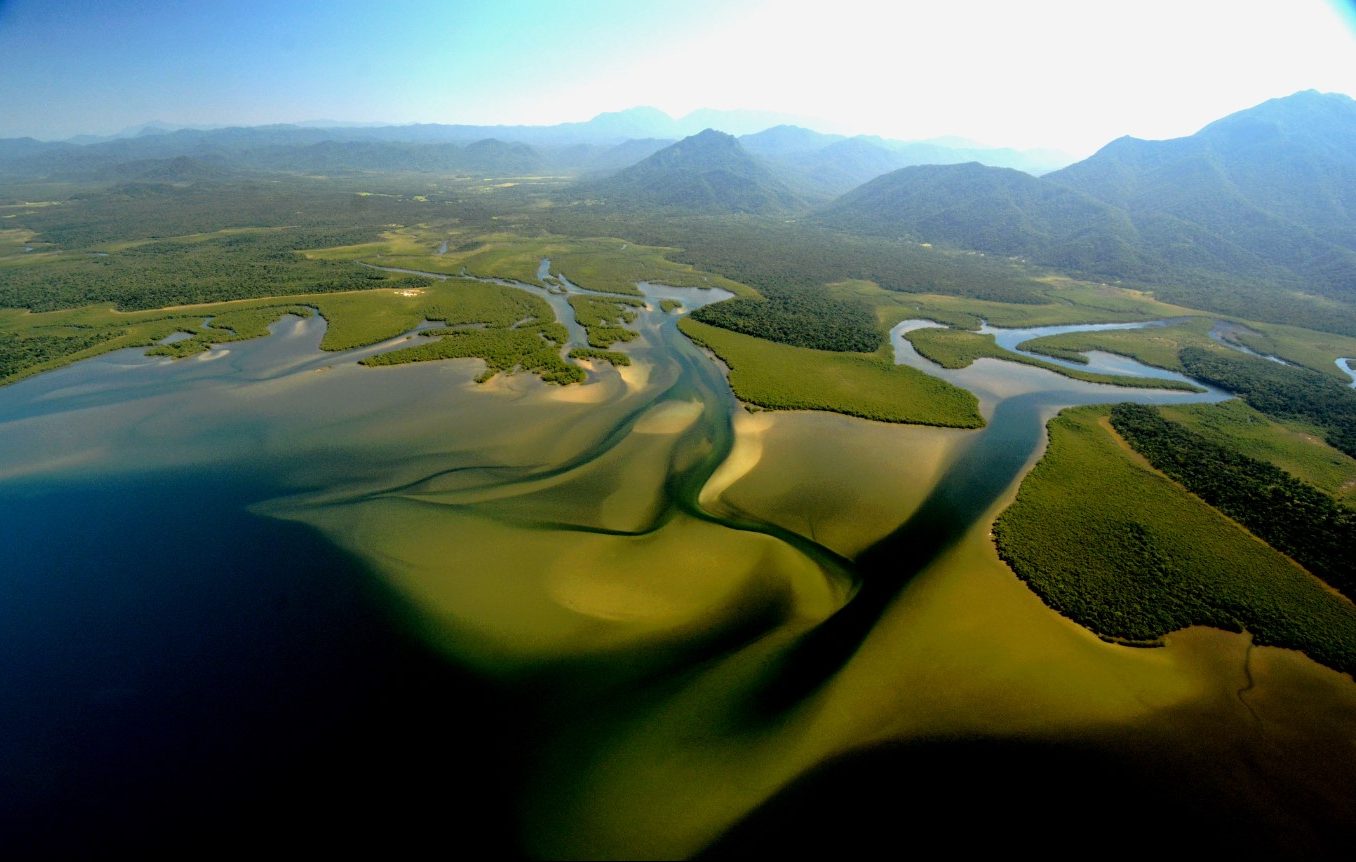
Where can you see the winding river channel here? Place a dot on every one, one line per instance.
(617, 617)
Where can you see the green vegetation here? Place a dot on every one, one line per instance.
(1315, 350)
(800, 318)
(775, 256)
(602, 317)
(668, 306)
(1283, 393)
(615, 357)
(39, 342)
(1296, 449)
(616, 266)
(236, 325)
(789, 264)
(708, 171)
(1063, 302)
(360, 319)
(1222, 221)
(504, 350)
(181, 272)
(782, 377)
(604, 264)
(997, 210)
(957, 348)
(1295, 518)
(19, 354)
(1157, 345)
(1119, 548)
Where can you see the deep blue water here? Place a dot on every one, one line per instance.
(178, 670)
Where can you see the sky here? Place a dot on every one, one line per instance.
(1065, 74)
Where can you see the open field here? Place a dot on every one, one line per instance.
(600, 264)
(1294, 448)
(1065, 301)
(1316, 350)
(1158, 346)
(1292, 516)
(870, 385)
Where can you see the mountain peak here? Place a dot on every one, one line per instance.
(707, 171)
(1308, 113)
(713, 137)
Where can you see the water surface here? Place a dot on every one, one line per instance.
(266, 590)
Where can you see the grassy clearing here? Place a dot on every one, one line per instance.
(1297, 449)
(1282, 392)
(13, 241)
(1316, 350)
(1157, 346)
(958, 348)
(600, 264)
(1107, 541)
(668, 306)
(489, 256)
(1292, 516)
(869, 385)
(1068, 302)
(615, 266)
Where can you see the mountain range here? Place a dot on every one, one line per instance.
(1256, 210)
(1264, 198)
(606, 143)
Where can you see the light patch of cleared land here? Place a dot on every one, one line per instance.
(1316, 350)
(1297, 450)
(869, 385)
(603, 264)
(1157, 346)
(1069, 302)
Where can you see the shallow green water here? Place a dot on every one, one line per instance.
(669, 658)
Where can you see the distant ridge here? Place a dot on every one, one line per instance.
(998, 210)
(829, 165)
(1256, 210)
(707, 172)
(811, 163)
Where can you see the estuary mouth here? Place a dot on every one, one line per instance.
(653, 566)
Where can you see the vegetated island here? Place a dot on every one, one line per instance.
(869, 385)
(1108, 541)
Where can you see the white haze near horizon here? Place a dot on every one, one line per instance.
(1043, 73)
(1067, 74)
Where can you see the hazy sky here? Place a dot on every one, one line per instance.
(1055, 73)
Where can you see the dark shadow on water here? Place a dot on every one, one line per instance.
(989, 798)
(183, 677)
(985, 467)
